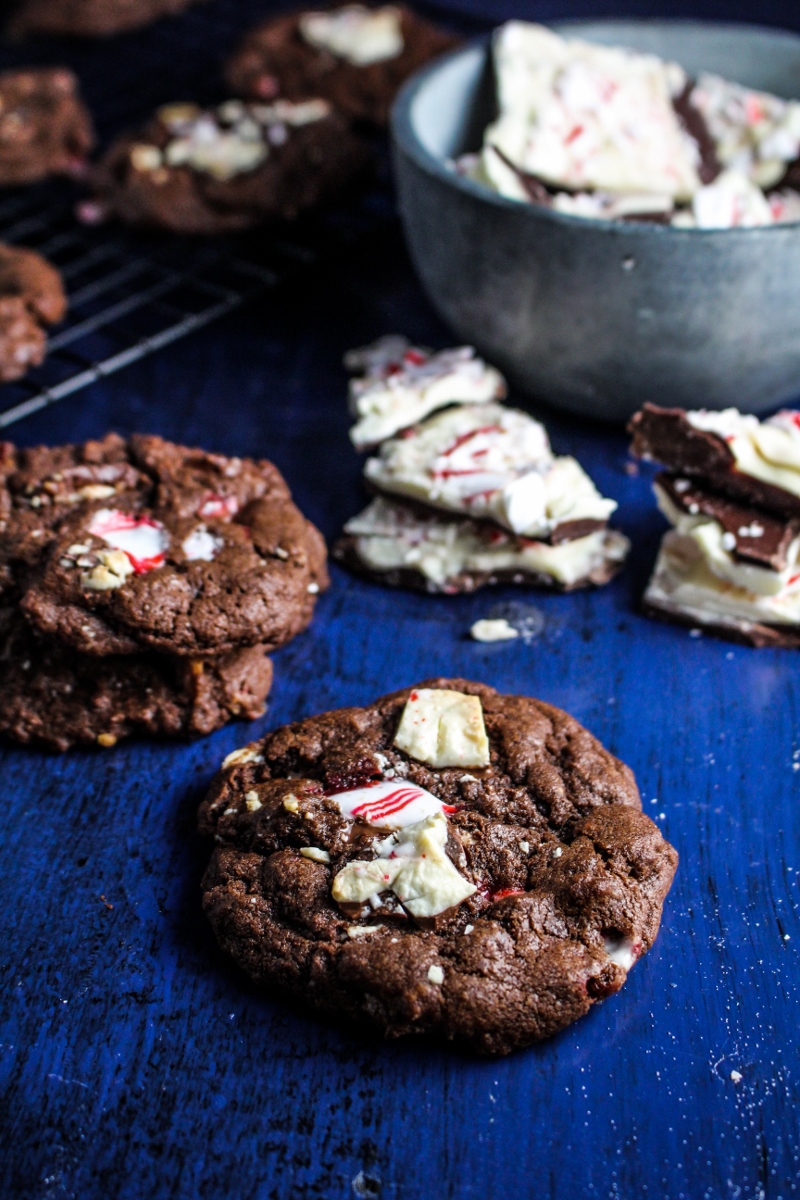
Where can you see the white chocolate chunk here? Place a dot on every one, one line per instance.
(357, 931)
(589, 116)
(493, 630)
(315, 854)
(402, 384)
(252, 801)
(142, 539)
(237, 758)
(389, 537)
(388, 805)
(358, 35)
(419, 873)
(95, 491)
(435, 974)
(112, 569)
(200, 545)
(444, 729)
(622, 951)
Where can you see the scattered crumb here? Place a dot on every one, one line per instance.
(736, 1076)
(695, 633)
(493, 630)
(106, 739)
(109, 906)
(632, 469)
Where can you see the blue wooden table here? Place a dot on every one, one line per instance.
(136, 1062)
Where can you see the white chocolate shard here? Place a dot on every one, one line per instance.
(587, 116)
(358, 35)
(417, 871)
(390, 804)
(754, 132)
(487, 461)
(389, 536)
(767, 450)
(238, 758)
(443, 728)
(143, 539)
(402, 384)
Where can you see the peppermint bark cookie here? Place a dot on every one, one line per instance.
(404, 545)
(197, 578)
(446, 861)
(31, 297)
(755, 462)
(44, 127)
(90, 18)
(56, 699)
(205, 171)
(395, 385)
(356, 57)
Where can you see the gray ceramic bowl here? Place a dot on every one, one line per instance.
(599, 316)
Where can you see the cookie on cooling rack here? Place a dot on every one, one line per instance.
(57, 699)
(31, 297)
(446, 861)
(354, 56)
(206, 171)
(44, 127)
(90, 18)
(207, 556)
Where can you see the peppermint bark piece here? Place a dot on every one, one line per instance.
(726, 567)
(398, 385)
(404, 545)
(486, 461)
(354, 56)
(484, 881)
(207, 171)
(757, 462)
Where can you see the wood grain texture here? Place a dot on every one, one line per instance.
(136, 1062)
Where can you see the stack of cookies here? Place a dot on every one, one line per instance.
(469, 492)
(142, 585)
(731, 491)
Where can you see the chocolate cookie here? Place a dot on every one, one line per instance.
(90, 18)
(446, 861)
(202, 555)
(358, 58)
(44, 128)
(54, 698)
(31, 296)
(207, 171)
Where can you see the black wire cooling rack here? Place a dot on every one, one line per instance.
(130, 295)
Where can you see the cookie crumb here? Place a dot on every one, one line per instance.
(493, 630)
(435, 974)
(106, 739)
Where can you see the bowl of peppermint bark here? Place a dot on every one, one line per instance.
(610, 211)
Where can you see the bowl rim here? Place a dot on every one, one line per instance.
(405, 138)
